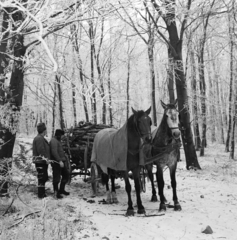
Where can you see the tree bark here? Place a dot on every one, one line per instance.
(14, 97)
(54, 107)
(97, 61)
(81, 74)
(128, 85)
(203, 100)
(231, 35)
(197, 138)
(93, 97)
(170, 77)
(60, 100)
(150, 48)
(109, 82)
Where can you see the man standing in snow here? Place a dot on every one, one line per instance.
(41, 153)
(58, 164)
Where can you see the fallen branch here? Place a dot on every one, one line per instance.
(23, 218)
(13, 199)
(145, 215)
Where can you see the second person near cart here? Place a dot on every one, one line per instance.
(60, 172)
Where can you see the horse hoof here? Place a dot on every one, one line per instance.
(114, 197)
(130, 212)
(141, 211)
(177, 207)
(162, 207)
(109, 198)
(154, 198)
(115, 200)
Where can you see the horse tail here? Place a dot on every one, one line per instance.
(104, 178)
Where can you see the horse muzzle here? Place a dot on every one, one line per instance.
(147, 138)
(176, 134)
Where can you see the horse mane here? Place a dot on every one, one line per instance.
(161, 134)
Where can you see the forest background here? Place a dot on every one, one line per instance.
(63, 62)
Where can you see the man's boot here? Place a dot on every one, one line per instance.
(62, 189)
(56, 192)
(41, 191)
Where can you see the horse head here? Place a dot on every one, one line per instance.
(172, 118)
(142, 122)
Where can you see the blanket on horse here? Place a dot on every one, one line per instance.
(110, 149)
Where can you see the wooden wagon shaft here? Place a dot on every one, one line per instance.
(94, 180)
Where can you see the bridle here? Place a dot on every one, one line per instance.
(140, 134)
(141, 138)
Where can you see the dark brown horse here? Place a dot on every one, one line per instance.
(166, 150)
(138, 130)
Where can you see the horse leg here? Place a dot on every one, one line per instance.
(161, 183)
(177, 206)
(113, 194)
(105, 180)
(136, 175)
(130, 210)
(151, 177)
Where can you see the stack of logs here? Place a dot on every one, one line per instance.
(77, 140)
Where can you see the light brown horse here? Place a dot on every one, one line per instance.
(166, 150)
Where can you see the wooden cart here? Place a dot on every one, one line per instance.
(77, 144)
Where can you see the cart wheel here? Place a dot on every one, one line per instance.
(94, 178)
(69, 168)
(85, 161)
(143, 180)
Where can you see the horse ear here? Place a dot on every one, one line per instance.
(163, 104)
(176, 103)
(148, 111)
(134, 111)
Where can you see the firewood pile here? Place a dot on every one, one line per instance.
(78, 139)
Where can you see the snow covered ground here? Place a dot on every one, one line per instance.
(207, 197)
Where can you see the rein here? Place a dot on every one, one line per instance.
(166, 149)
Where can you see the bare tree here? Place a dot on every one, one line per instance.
(149, 39)
(232, 39)
(20, 19)
(175, 44)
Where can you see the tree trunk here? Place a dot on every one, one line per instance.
(231, 35)
(54, 108)
(232, 143)
(128, 85)
(15, 100)
(219, 108)
(4, 18)
(60, 100)
(109, 84)
(97, 60)
(212, 109)
(76, 48)
(93, 97)
(212, 98)
(6, 146)
(74, 104)
(197, 138)
(170, 77)
(181, 88)
(150, 47)
(203, 101)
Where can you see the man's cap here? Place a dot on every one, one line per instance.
(41, 127)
